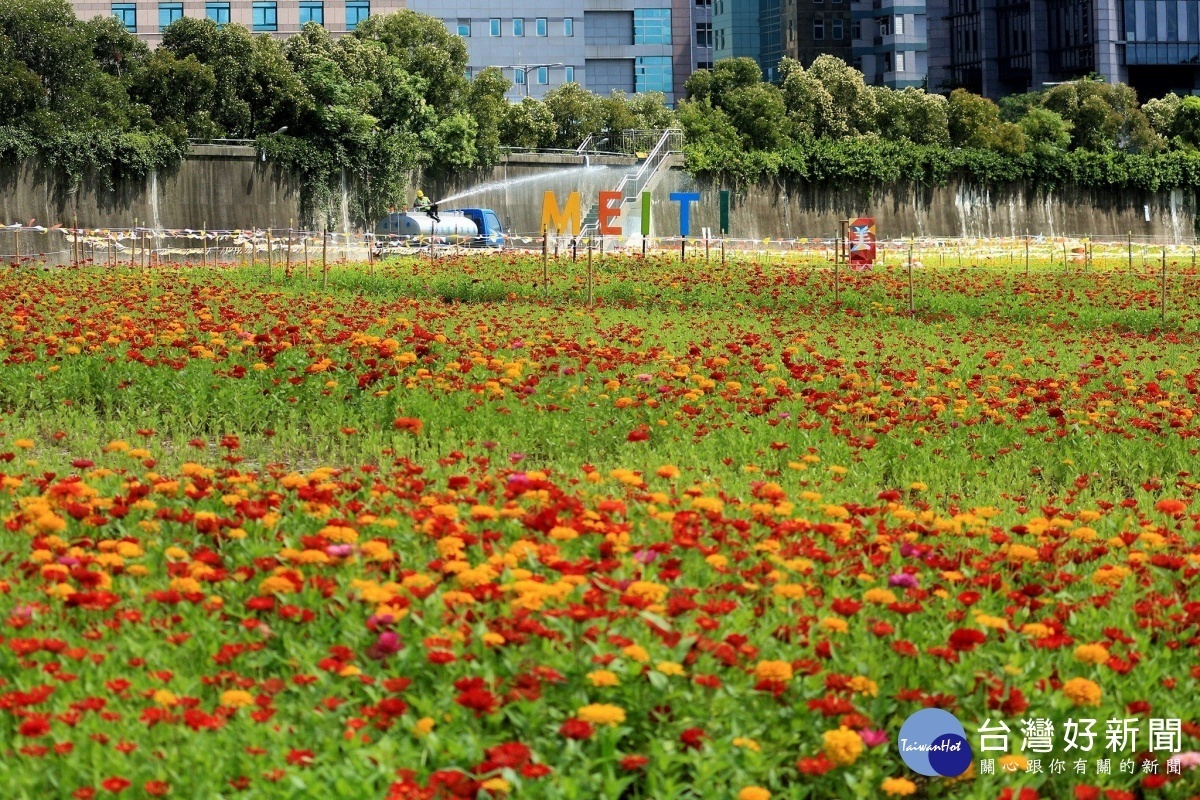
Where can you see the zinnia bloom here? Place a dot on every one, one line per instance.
(601, 714)
(754, 793)
(1082, 692)
(780, 671)
(236, 698)
(898, 787)
(1091, 654)
(843, 746)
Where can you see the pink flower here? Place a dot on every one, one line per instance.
(1189, 760)
(873, 738)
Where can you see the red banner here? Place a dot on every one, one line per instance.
(861, 242)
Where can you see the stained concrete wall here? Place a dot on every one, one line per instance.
(225, 188)
(228, 188)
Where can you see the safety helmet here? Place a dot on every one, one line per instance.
(420, 193)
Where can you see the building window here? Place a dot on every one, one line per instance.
(469, 74)
(518, 27)
(703, 65)
(519, 76)
(168, 13)
(899, 26)
(570, 76)
(356, 12)
(464, 28)
(493, 27)
(217, 12)
(540, 28)
(543, 75)
(837, 30)
(652, 74)
(312, 11)
(704, 2)
(652, 26)
(791, 30)
(856, 31)
(899, 62)
(127, 13)
(266, 17)
(704, 37)
(818, 29)
(883, 26)
(568, 27)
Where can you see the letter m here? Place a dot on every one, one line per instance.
(553, 217)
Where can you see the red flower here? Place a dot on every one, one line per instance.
(481, 701)
(156, 788)
(693, 738)
(966, 639)
(410, 424)
(84, 793)
(300, 758)
(577, 729)
(115, 785)
(510, 754)
(634, 763)
(34, 727)
(640, 434)
(814, 766)
(846, 606)
(1085, 792)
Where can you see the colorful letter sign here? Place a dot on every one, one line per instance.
(609, 212)
(862, 242)
(559, 219)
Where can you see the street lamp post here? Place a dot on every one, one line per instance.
(525, 68)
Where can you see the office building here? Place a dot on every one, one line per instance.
(890, 43)
(603, 45)
(813, 28)
(999, 47)
(748, 29)
(147, 18)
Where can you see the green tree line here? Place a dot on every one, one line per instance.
(393, 97)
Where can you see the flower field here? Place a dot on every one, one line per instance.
(438, 530)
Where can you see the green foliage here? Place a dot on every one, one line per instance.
(1186, 121)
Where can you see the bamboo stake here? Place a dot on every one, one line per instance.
(288, 270)
(545, 258)
(270, 256)
(589, 273)
(910, 279)
(1163, 309)
(324, 262)
(307, 275)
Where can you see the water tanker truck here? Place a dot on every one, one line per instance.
(473, 227)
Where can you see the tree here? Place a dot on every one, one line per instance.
(1046, 129)
(971, 119)
(577, 114)
(423, 46)
(913, 115)
(177, 90)
(1103, 116)
(528, 124)
(486, 104)
(1160, 113)
(1186, 124)
(727, 75)
(759, 115)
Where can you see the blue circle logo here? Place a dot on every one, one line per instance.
(933, 742)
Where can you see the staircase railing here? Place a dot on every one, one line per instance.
(633, 183)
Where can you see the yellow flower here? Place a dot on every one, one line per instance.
(843, 746)
(423, 727)
(1082, 692)
(835, 624)
(496, 785)
(1016, 761)
(165, 697)
(864, 685)
(235, 698)
(667, 471)
(276, 584)
(749, 744)
(898, 787)
(1091, 654)
(636, 653)
(562, 533)
(23, 444)
(754, 793)
(493, 639)
(648, 590)
(601, 714)
(880, 597)
(669, 668)
(603, 677)
(1022, 553)
(779, 671)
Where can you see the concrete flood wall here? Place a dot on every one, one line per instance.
(223, 187)
(956, 209)
(230, 188)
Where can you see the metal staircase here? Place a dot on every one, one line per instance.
(663, 155)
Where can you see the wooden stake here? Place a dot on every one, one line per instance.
(270, 256)
(589, 273)
(910, 279)
(324, 262)
(307, 274)
(1027, 255)
(75, 248)
(545, 258)
(1163, 309)
(837, 281)
(204, 245)
(1129, 239)
(287, 273)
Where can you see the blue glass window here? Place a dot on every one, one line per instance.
(127, 13)
(312, 11)
(518, 27)
(493, 27)
(652, 74)
(266, 17)
(168, 13)
(540, 27)
(543, 75)
(652, 26)
(569, 27)
(519, 77)
(464, 28)
(570, 78)
(217, 12)
(356, 12)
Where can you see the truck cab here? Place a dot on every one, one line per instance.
(491, 232)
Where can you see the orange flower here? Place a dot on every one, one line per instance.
(1171, 507)
(410, 424)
